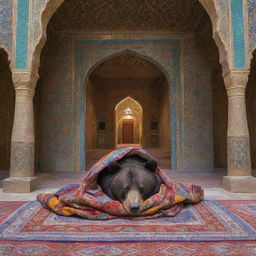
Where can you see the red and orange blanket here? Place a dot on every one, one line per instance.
(87, 199)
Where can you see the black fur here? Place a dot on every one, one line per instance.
(132, 172)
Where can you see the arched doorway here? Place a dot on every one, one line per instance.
(64, 110)
(6, 111)
(127, 102)
(129, 122)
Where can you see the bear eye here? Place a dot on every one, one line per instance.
(126, 189)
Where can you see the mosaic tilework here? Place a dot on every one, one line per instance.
(238, 33)
(239, 153)
(197, 116)
(223, 7)
(22, 35)
(35, 24)
(149, 15)
(56, 122)
(62, 96)
(251, 4)
(38, 6)
(6, 24)
(224, 17)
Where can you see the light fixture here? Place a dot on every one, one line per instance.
(128, 111)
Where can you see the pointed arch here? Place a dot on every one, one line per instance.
(52, 5)
(101, 59)
(135, 115)
(128, 98)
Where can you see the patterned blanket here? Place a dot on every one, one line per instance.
(87, 200)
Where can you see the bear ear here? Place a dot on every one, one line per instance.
(113, 166)
(151, 165)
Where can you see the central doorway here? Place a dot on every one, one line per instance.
(129, 122)
(127, 104)
(127, 131)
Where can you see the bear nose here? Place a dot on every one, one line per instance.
(134, 207)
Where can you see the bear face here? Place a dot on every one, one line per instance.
(131, 181)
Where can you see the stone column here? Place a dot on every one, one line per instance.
(239, 177)
(22, 178)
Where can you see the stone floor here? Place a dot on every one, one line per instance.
(210, 180)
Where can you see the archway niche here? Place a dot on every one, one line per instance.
(128, 118)
(198, 113)
(127, 102)
(251, 109)
(7, 97)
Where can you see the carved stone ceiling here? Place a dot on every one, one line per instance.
(127, 66)
(124, 15)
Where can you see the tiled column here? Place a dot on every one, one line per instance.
(22, 178)
(239, 177)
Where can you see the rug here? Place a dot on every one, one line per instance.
(227, 248)
(204, 222)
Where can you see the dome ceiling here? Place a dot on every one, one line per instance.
(124, 15)
(127, 66)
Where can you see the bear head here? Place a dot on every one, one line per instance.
(132, 181)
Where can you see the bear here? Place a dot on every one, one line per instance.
(130, 180)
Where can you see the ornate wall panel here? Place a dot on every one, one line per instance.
(208, 50)
(126, 66)
(63, 94)
(223, 8)
(139, 15)
(251, 4)
(63, 116)
(197, 114)
(35, 23)
(22, 32)
(56, 147)
(6, 24)
(108, 15)
(239, 59)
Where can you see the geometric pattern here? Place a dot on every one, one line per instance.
(227, 248)
(127, 66)
(93, 15)
(204, 222)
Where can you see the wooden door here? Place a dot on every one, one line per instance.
(127, 131)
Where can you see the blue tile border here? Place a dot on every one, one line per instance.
(22, 35)
(238, 33)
